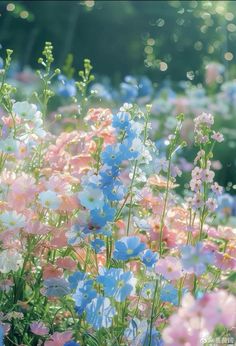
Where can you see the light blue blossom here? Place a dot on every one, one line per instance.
(117, 283)
(56, 287)
(149, 258)
(169, 294)
(127, 248)
(49, 199)
(99, 313)
(195, 258)
(25, 110)
(148, 289)
(91, 198)
(11, 220)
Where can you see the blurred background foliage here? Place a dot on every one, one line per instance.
(162, 39)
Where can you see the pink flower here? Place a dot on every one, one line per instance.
(59, 339)
(179, 333)
(211, 204)
(66, 263)
(170, 267)
(217, 189)
(39, 328)
(219, 309)
(217, 136)
(224, 261)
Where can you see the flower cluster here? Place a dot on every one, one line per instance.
(96, 247)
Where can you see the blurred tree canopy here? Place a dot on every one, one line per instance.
(159, 38)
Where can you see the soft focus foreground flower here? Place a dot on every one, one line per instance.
(195, 258)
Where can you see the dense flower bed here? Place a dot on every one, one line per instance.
(96, 246)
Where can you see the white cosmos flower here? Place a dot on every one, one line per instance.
(10, 260)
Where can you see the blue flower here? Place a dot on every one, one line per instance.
(111, 156)
(56, 287)
(128, 247)
(71, 343)
(128, 150)
(1, 336)
(75, 278)
(108, 174)
(195, 258)
(100, 217)
(148, 290)
(155, 338)
(145, 87)
(97, 245)
(84, 295)
(49, 199)
(121, 120)
(91, 198)
(117, 283)
(169, 294)
(67, 87)
(129, 89)
(99, 313)
(114, 192)
(149, 258)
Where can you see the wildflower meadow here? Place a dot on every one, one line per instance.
(96, 246)
(112, 231)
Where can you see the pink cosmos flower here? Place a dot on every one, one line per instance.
(66, 263)
(219, 309)
(224, 261)
(170, 267)
(59, 339)
(39, 328)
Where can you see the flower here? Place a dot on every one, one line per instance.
(148, 290)
(117, 283)
(84, 295)
(112, 156)
(121, 120)
(98, 245)
(25, 110)
(58, 339)
(149, 258)
(91, 198)
(49, 199)
(56, 287)
(99, 313)
(170, 267)
(71, 343)
(195, 258)
(169, 294)
(127, 248)
(100, 217)
(75, 278)
(12, 220)
(10, 260)
(39, 328)
(218, 137)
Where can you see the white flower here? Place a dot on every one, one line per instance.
(25, 110)
(12, 220)
(10, 260)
